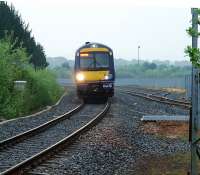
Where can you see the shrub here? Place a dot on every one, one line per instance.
(42, 88)
(11, 63)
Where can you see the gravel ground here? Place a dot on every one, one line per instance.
(12, 128)
(39, 142)
(116, 144)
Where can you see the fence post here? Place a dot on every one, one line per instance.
(195, 99)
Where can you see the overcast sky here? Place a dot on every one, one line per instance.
(158, 26)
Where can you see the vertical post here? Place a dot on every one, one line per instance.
(185, 87)
(138, 55)
(195, 98)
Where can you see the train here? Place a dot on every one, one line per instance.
(94, 71)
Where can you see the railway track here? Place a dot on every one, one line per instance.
(144, 90)
(157, 98)
(20, 153)
(19, 137)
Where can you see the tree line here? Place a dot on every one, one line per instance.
(11, 24)
(20, 57)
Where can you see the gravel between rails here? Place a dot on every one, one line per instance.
(115, 145)
(12, 128)
(37, 143)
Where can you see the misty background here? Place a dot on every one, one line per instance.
(63, 26)
(159, 29)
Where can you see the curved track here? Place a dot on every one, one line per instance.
(15, 139)
(160, 99)
(58, 131)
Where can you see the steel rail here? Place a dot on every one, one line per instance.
(168, 99)
(157, 98)
(15, 139)
(154, 91)
(29, 163)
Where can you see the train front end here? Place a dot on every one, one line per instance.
(94, 71)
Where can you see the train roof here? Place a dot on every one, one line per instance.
(92, 44)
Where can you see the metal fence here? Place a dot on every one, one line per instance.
(188, 86)
(176, 82)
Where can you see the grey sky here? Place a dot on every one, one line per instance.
(62, 26)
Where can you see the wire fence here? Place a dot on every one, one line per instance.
(188, 86)
(177, 82)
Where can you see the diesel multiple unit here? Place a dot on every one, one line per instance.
(94, 70)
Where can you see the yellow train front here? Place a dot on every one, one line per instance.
(94, 70)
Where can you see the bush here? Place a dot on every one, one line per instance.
(63, 72)
(11, 63)
(41, 90)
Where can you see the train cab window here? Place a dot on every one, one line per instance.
(102, 60)
(87, 61)
(94, 60)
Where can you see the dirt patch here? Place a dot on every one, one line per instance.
(177, 164)
(167, 129)
(174, 90)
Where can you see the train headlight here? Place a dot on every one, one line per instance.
(80, 77)
(108, 77)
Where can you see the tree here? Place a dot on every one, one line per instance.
(149, 65)
(193, 53)
(66, 65)
(11, 23)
